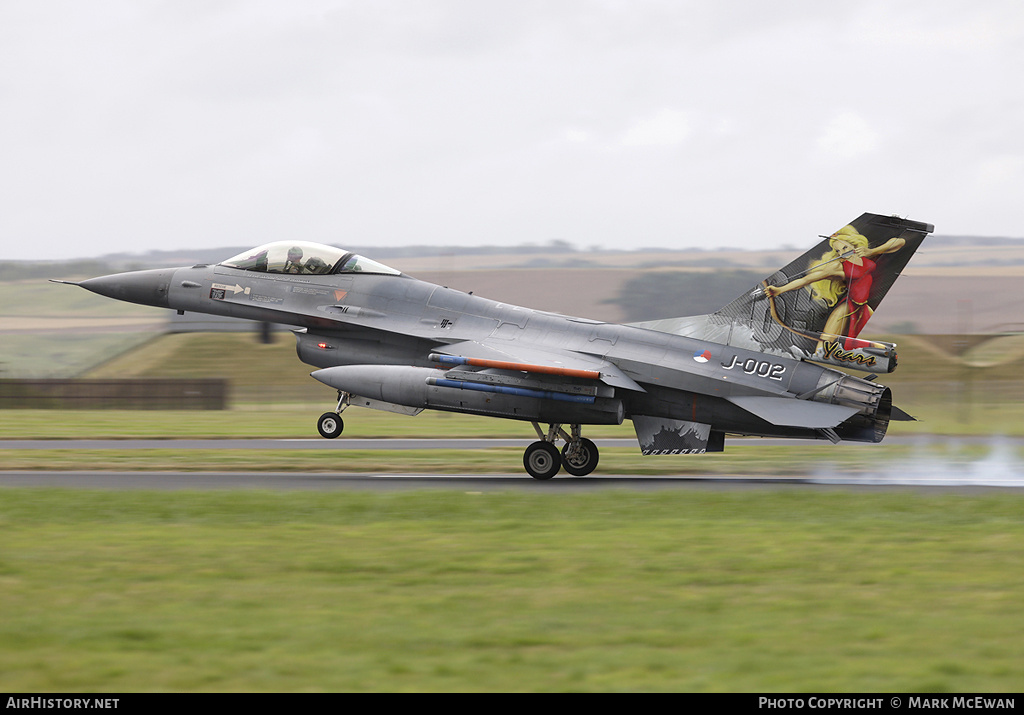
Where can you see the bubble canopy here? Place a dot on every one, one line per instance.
(305, 258)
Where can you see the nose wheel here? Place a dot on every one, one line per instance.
(542, 459)
(330, 424)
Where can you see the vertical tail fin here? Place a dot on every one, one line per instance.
(816, 307)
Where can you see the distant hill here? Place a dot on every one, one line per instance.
(937, 251)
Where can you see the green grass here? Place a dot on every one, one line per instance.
(58, 343)
(30, 355)
(447, 591)
(39, 298)
(281, 420)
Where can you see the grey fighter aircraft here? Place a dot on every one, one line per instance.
(758, 366)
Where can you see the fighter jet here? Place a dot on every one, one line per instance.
(763, 365)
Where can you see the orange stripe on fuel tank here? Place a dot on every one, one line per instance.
(521, 366)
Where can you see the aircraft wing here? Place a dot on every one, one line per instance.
(514, 356)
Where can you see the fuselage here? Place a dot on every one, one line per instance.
(364, 318)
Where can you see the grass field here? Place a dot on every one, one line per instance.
(760, 590)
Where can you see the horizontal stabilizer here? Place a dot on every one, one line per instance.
(900, 416)
(790, 412)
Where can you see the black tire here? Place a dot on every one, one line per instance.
(330, 425)
(585, 460)
(542, 460)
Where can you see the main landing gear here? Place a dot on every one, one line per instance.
(330, 424)
(542, 459)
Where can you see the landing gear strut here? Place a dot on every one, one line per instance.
(330, 424)
(542, 459)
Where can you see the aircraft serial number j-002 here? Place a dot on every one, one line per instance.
(757, 366)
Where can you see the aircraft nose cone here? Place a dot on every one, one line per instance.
(144, 287)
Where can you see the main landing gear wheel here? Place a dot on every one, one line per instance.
(581, 461)
(542, 460)
(330, 425)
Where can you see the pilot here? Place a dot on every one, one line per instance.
(316, 265)
(294, 262)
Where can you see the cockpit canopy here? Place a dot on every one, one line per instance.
(305, 258)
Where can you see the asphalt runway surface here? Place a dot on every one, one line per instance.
(289, 481)
(1001, 471)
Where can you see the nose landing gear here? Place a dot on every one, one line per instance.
(542, 459)
(330, 424)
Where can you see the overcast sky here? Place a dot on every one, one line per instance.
(135, 125)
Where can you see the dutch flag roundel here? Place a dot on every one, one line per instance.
(702, 356)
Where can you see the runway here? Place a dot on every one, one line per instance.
(303, 481)
(1001, 469)
(321, 481)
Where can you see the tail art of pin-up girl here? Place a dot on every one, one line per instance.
(842, 278)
